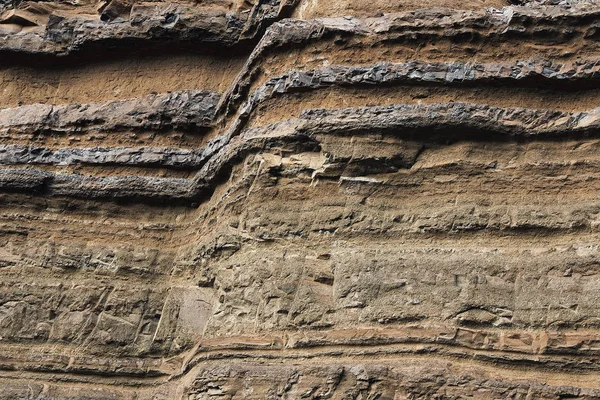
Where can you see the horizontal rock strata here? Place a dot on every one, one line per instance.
(395, 202)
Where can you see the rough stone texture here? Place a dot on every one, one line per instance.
(299, 199)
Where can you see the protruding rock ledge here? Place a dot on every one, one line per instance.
(132, 188)
(124, 156)
(148, 26)
(184, 110)
(496, 123)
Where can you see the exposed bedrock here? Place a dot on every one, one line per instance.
(299, 199)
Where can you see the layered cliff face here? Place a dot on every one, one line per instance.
(294, 199)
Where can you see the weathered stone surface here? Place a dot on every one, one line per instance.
(180, 110)
(146, 24)
(384, 201)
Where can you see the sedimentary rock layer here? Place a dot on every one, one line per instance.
(396, 203)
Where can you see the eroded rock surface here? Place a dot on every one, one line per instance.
(299, 199)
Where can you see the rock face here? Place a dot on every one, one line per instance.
(300, 199)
